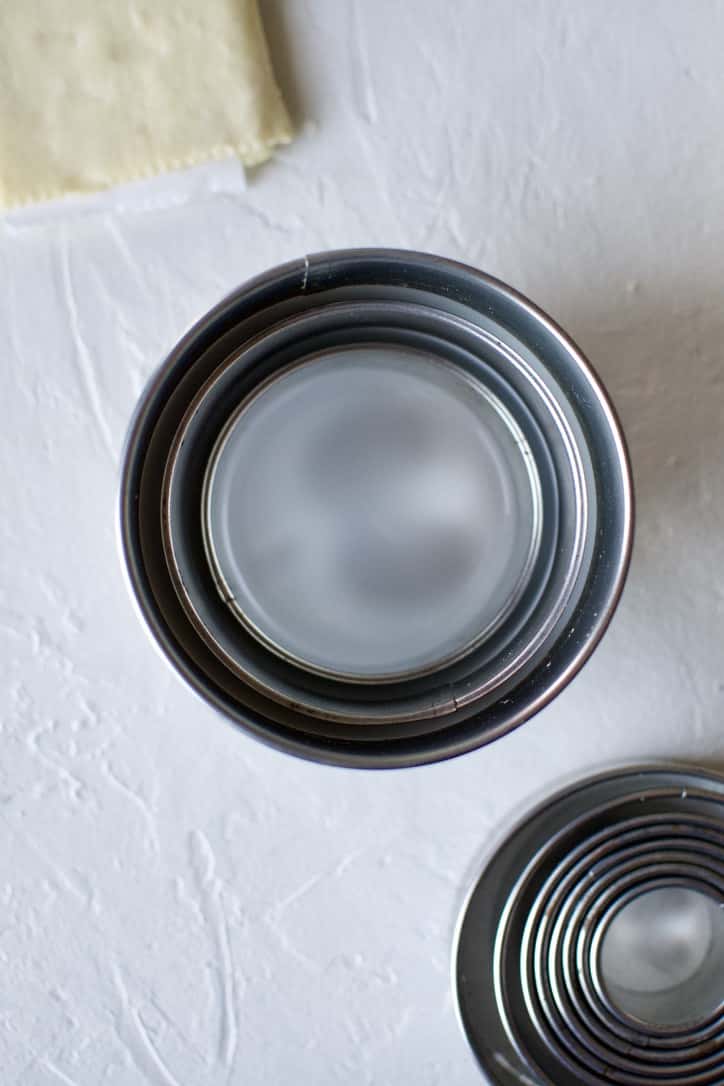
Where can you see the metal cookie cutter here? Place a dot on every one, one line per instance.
(591, 950)
(376, 508)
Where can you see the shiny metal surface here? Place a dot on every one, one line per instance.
(533, 984)
(372, 513)
(465, 319)
(553, 582)
(661, 956)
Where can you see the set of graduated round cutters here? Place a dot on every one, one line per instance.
(376, 509)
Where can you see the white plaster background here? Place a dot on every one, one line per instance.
(180, 906)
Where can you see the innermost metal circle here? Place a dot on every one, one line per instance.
(372, 512)
(662, 957)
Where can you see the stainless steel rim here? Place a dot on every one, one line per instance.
(388, 677)
(335, 702)
(527, 957)
(451, 725)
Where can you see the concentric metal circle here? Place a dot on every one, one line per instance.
(553, 581)
(534, 995)
(457, 691)
(396, 507)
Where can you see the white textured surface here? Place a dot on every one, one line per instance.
(180, 906)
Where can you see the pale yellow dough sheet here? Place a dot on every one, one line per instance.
(96, 92)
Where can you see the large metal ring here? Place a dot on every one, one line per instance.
(543, 385)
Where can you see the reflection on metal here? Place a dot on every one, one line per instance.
(555, 454)
(538, 996)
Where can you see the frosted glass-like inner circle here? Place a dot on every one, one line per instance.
(662, 957)
(371, 512)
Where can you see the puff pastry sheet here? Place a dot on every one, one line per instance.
(96, 92)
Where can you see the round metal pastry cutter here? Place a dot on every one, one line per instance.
(591, 950)
(376, 508)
